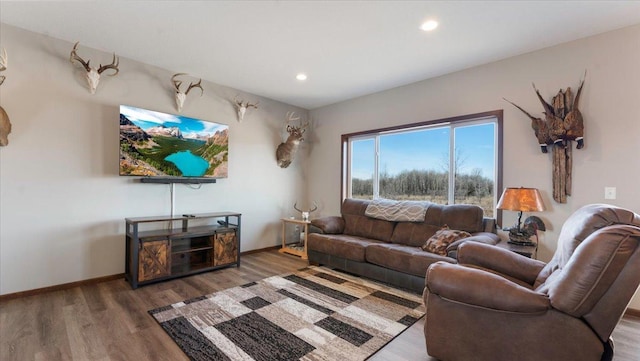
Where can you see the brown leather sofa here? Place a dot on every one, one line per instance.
(390, 251)
(498, 305)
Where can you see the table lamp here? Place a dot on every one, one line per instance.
(521, 200)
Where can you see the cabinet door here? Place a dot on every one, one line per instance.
(153, 260)
(225, 248)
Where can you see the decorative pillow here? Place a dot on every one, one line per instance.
(439, 242)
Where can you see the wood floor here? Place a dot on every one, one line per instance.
(109, 320)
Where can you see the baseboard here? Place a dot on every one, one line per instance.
(272, 248)
(64, 286)
(92, 281)
(632, 312)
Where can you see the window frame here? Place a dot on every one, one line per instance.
(453, 122)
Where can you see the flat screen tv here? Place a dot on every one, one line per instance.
(154, 144)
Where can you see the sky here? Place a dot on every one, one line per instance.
(427, 149)
(146, 119)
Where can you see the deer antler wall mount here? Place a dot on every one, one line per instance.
(242, 107)
(563, 123)
(182, 95)
(3, 64)
(287, 150)
(5, 124)
(93, 74)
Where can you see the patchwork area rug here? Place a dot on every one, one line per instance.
(313, 314)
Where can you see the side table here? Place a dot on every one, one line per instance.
(298, 249)
(527, 251)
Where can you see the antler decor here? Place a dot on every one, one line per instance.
(563, 123)
(3, 64)
(93, 74)
(5, 124)
(242, 107)
(180, 95)
(305, 214)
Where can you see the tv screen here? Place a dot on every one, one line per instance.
(156, 144)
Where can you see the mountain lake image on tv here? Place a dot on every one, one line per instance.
(155, 144)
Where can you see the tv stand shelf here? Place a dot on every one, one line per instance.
(163, 248)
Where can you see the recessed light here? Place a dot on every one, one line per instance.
(429, 25)
(301, 76)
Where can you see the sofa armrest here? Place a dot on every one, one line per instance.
(489, 225)
(480, 237)
(479, 288)
(329, 225)
(500, 260)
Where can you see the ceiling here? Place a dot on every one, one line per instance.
(347, 48)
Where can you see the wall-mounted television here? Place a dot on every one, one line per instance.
(154, 144)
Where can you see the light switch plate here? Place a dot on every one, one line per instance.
(609, 192)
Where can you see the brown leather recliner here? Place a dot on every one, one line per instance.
(498, 305)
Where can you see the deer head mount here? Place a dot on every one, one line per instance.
(180, 95)
(5, 127)
(5, 124)
(242, 106)
(93, 74)
(287, 150)
(305, 214)
(3, 64)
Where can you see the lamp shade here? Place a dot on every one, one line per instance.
(521, 199)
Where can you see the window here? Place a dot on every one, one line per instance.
(448, 161)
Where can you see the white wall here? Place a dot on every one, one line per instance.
(63, 204)
(610, 105)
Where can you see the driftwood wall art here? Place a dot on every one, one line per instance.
(562, 124)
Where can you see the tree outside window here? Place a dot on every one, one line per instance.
(445, 162)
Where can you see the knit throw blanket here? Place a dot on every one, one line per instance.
(397, 211)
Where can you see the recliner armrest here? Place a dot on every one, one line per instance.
(500, 260)
(329, 225)
(480, 237)
(479, 288)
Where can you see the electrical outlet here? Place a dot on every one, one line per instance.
(609, 192)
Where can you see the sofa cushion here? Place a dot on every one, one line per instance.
(368, 227)
(354, 206)
(344, 246)
(357, 224)
(439, 242)
(413, 234)
(406, 259)
(464, 217)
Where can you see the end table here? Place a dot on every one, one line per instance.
(295, 249)
(527, 251)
